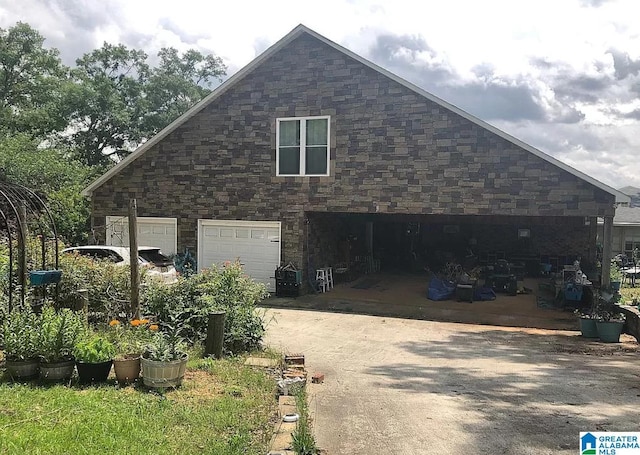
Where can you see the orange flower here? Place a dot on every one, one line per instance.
(136, 322)
(153, 327)
(114, 322)
(144, 321)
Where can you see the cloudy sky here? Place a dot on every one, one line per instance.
(562, 75)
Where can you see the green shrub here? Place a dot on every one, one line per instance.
(4, 310)
(4, 271)
(192, 299)
(130, 337)
(108, 286)
(20, 334)
(165, 346)
(615, 274)
(59, 333)
(34, 261)
(94, 349)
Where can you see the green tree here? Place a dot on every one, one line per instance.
(32, 83)
(53, 175)
(120, 101)
(60, 128)
(108, 102)
(179, 82)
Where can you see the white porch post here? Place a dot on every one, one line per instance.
(607, 242)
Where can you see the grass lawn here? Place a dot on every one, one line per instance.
(628, 294)
(222, 408)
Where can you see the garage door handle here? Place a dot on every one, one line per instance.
(275, 241)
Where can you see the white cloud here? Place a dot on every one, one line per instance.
(564, 68)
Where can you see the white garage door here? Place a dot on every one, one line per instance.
(158, 232)
(255, 243)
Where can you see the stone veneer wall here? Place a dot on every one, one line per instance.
(632, 324)
(392, 151)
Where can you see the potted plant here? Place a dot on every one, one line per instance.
(20, 334)
(609, 323)
(129, 340)
(94, 356)
(587, 321)
(59, 333)
(164, 360)
(615, 277)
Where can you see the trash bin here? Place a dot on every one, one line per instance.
(288, 281)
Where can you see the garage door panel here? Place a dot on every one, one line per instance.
(244, 250)
(255, 244)
(226, 248)
(152, 231)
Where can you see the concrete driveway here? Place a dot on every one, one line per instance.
(419, 387)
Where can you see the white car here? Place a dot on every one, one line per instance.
(157, 264)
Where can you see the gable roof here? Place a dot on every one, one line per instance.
(295, 33)
(627, 216)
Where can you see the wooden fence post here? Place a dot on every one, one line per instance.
(133, 253)
(215, 334)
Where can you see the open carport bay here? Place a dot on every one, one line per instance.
(421, 387)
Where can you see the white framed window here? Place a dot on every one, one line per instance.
(302, 146)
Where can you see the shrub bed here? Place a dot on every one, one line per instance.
(189, 302)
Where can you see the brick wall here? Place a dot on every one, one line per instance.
(392, 151)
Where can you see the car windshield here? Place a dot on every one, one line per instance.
(155, 257)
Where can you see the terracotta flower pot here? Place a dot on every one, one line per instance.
(163, 374)
(127, 368)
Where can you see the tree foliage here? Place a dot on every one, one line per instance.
(108, 102)
(178, 83)
(119, 100)
(60, 127)
(52, 174)
(32, 81)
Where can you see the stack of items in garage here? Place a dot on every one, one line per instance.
(288, 280)
(573, 283)
(501, 278)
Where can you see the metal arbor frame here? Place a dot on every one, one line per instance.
(23, 214)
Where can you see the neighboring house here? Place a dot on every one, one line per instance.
(626, 231)
(313, 155)
(633, 193)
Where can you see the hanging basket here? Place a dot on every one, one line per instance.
(43, 277)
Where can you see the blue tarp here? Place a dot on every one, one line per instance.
(484, 293)
(440, 289)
